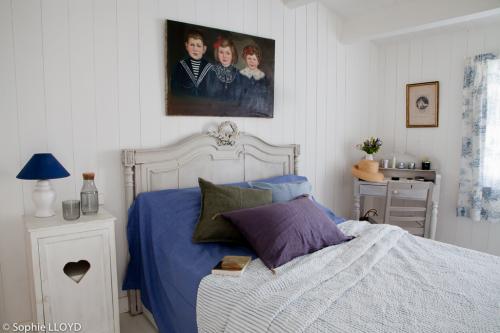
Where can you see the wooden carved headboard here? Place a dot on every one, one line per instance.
(223, 155)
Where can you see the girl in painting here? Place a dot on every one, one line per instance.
(224, 78)
(189, 75)
(254, 96)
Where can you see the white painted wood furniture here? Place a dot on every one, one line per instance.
(211, 156)
(407, 179)
(408, 205)
(73, 271)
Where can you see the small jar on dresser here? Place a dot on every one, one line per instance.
(73, 272)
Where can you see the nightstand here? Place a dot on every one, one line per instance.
(73, 271)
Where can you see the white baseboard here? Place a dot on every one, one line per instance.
(123, 304)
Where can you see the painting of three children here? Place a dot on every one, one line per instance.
(212, 72)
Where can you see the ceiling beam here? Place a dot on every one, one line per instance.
(408, 17)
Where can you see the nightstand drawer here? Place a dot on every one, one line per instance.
(411, 191)
(375, 190)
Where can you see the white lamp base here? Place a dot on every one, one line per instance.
(44, 197)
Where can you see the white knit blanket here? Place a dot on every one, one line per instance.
(384, 280)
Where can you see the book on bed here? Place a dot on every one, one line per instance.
(232, 265)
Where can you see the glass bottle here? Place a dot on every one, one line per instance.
(89, 196)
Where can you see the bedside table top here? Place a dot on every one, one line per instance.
(33, 223)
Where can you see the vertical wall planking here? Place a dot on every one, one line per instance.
(33, 135)
(276, 18)
(332, 125)
(250, 26)
(300, 85)
(151, 69)
(454, 139)
(311, 46)
(343, 202)
(28, 52)
(373, 88)
(168, 10)
(380, 124)
(11, 196)
(289, 92)
(415, 76)
(319, 133)
(128, 103)
(107, 114)
(54, 18)
(264, 29)
(82, 83)
(444, 48)
(128, 73)
(402, 72)
(390, 97)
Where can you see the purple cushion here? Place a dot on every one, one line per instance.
(282, 231)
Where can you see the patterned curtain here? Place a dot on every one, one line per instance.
(479, 192)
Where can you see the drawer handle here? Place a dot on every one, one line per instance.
(395, 192)
(76, 270)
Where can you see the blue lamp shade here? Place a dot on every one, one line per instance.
(43, 166)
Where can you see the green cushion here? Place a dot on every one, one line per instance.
(216, 199)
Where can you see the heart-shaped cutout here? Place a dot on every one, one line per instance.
(76, 270)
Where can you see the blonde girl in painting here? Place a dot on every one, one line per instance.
(224, 77)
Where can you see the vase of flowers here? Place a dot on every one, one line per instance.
(370, 146)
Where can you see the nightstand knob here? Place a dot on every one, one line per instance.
(395, 192)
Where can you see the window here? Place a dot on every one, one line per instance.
(491, 165)
(479, 191)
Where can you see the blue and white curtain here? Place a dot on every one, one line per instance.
(479, 192)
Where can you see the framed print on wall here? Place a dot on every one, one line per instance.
(214, 72)
(422, 104)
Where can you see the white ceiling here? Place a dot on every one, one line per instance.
(349, 8)
(376, 19)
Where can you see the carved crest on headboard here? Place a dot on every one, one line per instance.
(226, 133)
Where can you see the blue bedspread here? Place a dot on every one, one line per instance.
(164, 263)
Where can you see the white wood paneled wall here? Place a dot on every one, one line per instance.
(436, 56)
(83, 79)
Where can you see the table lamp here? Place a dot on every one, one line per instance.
(43, 167)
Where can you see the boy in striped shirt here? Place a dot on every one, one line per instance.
(188, 77)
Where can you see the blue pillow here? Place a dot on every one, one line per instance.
(330, 213)
(286, 188)
(285, 191)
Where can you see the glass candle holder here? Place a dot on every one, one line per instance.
(71, 209)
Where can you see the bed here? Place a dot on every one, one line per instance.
(384, 280)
